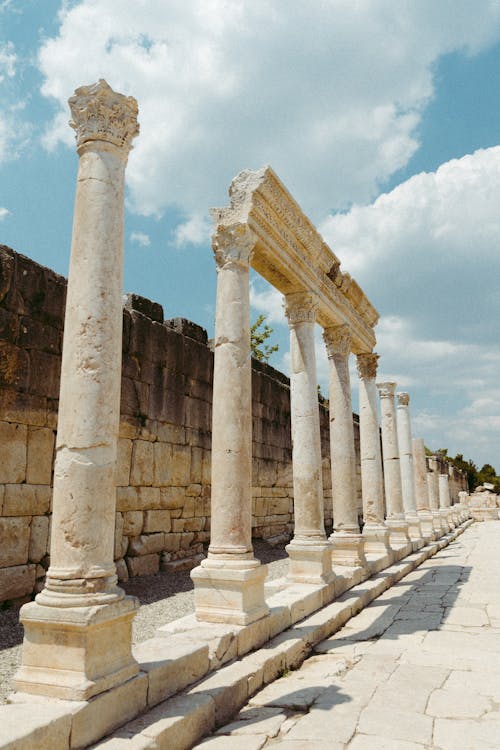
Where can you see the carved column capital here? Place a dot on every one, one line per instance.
(366, 365)
(386, 390)
(300, 307)
(233, 245)
(403, 399)
(101, 114)
(337, 340)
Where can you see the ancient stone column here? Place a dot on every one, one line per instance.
(406, 466)
(375, 532)
(229, 583)
(444, 494)
(78, 631)
(396, 523)
(309, 551)
(433, 484)
(348, 545)
(422, 489)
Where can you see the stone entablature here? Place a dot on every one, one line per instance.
(291, 254)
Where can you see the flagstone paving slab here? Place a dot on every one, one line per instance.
(417, 669)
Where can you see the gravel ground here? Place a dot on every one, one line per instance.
(164, 597)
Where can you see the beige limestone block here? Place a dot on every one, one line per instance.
(35, 726)
(180, 722)
(156, 520)
(133, 521)
(14, 541)
(141, 473)
(162, 464)
(39, 538)
(118, 535)
(122, 570)
(26, 500)
(40, 455)
(16, 581)
(123, 462)
(13, 452)
(144, 565)
(145, 544)
(180, 467)
(172, 542)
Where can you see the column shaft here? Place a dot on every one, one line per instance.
(229, 584)
(347, 542)
(406, 466)
(309, 552)
(375, 532)
(80, 592)
(422, 489)
(396, 523)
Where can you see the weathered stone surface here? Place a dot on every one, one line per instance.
(133, 521)
(123, 462)
(141, 473)
(145, 544)
(27, 726)
(143, 566)
(156, 520)
(26, 500)
(40, 455)
(13, 449)
(14, 541)
(17, 581)
(39, 538)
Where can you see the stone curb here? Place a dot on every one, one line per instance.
(194, 657)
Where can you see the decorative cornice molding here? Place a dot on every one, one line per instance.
(386, 390)
(403, 399)
(366, 365)
(101, 114)
(233, 245)
(300, 307)
(337, 340)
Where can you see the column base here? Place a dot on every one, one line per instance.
(414, 529)
(348, 549)
(76, 653)
(428, 531)
(310, 562)
(376, 539)
(398, 531)
(445, 520)
(229, 591)
(437, 521)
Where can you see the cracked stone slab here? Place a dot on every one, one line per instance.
(372, 742)
(260, 721)
(459, 704)
(399, 725)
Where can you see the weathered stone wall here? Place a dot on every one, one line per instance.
(163, 473)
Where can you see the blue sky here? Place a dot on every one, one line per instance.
(380, 116)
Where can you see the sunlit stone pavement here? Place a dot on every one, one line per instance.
(418, 668)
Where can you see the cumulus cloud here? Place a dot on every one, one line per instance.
(194, 231)
(7, 61)
(225, 86)
(4, 212)
(140, 238)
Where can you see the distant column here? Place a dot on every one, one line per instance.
(422, 489)
(375, 532)
(433, 484)
(406, 466)
(309, 551)
(82, 620)
(229, 583)
(444, 495)
(347, 541)
(396, 523)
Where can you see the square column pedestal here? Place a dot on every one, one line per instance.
(310, 562)
(348, 549)
(376, 539)
(76, 652)
(229, 594)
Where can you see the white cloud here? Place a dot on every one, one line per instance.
(267, 301)
(140, 238)
(195, 231)
(8, 60)
(224, 86)
(4, 212)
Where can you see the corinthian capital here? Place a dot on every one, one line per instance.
(300, 307)
(386, 390)
(403, 399)
(233, 245)
(337, 340)
(101, 114)
(367, 365)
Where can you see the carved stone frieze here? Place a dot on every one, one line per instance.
(101, 114)
(233, 245)
(300, 307)
(337, 340)
(366, 365)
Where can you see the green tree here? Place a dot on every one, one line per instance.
(259, 334)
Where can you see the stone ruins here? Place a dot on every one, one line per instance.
(160, 445)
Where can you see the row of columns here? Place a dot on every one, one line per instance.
(78, 630)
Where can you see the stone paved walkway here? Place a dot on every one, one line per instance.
(418, 668)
